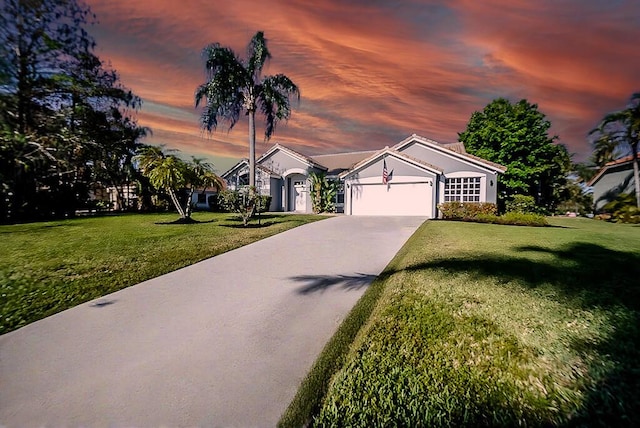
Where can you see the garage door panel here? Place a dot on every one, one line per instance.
(394, 199)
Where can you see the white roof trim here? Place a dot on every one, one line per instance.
(449, 153)
(365, 163)
(292, 154)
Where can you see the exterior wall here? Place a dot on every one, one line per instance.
(399, 167)
(280, 161)
(613, 182)
(446, 162)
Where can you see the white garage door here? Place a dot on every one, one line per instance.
(395, 199)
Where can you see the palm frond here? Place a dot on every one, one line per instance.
(257, 55)
(275, 100)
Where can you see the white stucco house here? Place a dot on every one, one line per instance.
(613, 179)
(420, 174)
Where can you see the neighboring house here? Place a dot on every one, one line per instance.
(420, 174)
(614, 178)
(200, 199)
(115, 198)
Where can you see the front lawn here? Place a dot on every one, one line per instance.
(51, 266)
(485, 325)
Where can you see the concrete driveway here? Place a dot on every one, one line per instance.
(224, 342)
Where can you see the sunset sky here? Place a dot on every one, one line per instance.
(373, 72)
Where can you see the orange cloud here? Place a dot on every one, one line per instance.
(372, 73)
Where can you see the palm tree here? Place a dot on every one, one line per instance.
(170, 173)
(234, 86)
(623, 127)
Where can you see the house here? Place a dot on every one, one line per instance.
(419, 173)
(614, 178)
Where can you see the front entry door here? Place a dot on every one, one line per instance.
(299, 195)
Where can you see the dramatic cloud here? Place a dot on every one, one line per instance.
(373, 72)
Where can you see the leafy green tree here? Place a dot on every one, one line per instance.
(516, 136)
(234, 86)
(62, 113)
(622, 130)
(169, 173)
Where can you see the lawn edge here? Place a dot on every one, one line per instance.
(313, 388)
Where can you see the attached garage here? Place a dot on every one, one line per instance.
(390, 183)
(408, 199)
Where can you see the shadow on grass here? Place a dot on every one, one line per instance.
(185, 221)
(249, 226)
(320, 283)
(587, 276)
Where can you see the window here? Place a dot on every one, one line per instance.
(463, 189)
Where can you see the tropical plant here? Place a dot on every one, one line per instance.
(166, 171)
(622, 128)
(234, 86)
(323, 193)
(622, 209)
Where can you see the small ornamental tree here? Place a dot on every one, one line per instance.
(516, 136)
(244, 201)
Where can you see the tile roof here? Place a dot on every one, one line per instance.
(339, 162)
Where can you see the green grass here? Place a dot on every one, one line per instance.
(490, 325)
(51, 266)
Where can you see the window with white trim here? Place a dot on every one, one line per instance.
(463, 189)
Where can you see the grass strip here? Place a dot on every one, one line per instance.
(314, 386)
(488, 325)
(48, 267)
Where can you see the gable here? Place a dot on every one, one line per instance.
(398, 164)
(280, 159)
(448, 159)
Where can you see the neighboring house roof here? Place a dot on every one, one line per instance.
(305, 159)
(456, 150)
(390, 152)
(618, 163)
(337, 163)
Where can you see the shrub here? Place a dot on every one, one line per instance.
(623, 209)
(213, 203)
(522, 204)
(514, 219)
(244, 201)
(263, 202)
(466, 210)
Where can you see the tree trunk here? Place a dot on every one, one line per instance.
(176, 202)
(636, 173)
(189, 206)
(252, 148)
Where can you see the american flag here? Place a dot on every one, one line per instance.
(385, 173)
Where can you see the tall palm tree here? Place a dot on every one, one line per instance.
(623, 127)
(234, 86)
